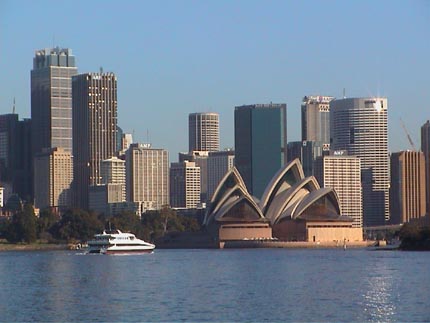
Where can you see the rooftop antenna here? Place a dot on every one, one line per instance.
(13, 108)
(344, 93)
(147, 135)
(101, 69)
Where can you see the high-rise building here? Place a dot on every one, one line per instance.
(51, 98)
(306, 152)
(112, 171)
(184, 185)
(147, 176)
(343, 173)
(94, 129)
(15, 155)
(359, 126)
(407, 191)
(103, 195)
(53, 175)
(201, 160)
(219, 163)
(203, 131)
(316, 119)
(260, 136)
(425, 148)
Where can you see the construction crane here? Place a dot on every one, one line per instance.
(407, 134)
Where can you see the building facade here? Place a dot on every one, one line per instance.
(425, 148)
(53, 176)
(184, 185)
(51, 98)
(343, 173)
(307, 152)
(359, 126)
(147, 174)
(219, 163)
(316, 119)
(260, 136)
(101, 196)
(94, 129)
(201, 160)
(408, 188)
(112, 171)
(203, 131)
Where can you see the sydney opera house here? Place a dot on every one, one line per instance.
(292, 208)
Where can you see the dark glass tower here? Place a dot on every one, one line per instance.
(94, 129)
(260, 137)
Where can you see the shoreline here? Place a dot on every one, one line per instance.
(32, 247)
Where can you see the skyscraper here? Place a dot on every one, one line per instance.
(307, 152)
(184, 185)
(219, 163)
(359, 126)
(94, 129)
(343, 173)
(203, 131)
(51, 98)
(53, 175)
(316, 119)
(16, 156)
(147, 176)
(407, 191)
(260, 136)
(425, 148)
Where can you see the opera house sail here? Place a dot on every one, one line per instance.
(292, 208)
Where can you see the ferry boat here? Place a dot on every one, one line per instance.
(115, 241)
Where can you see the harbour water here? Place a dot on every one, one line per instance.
(242, 285)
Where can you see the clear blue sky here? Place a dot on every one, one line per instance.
(176, 57)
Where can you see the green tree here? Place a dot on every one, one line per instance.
(127, 222)
(22, 227)
(45, 222)
(77, 224)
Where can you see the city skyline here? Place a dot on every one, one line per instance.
(166, 64)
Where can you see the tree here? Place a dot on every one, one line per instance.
(45, 222)
(77, 224)
(128, 222)
(22, 227)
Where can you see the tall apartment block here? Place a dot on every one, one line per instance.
(218, 164)
(51, 98)
(316, 119)
(408, 188)
(53, 175)
(343, 173)
(147, 172)
(260, 139)
(112, 171)
(184, 185)
(94, 129)
(425, 148)
(203, 131)
(359, 126)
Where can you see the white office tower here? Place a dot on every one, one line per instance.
(359, 126)
(112, 171)
(219, 163)
(147, 173)
(343, 173)
(203, 131)
(184, 185)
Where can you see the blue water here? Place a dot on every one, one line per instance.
(248, 285)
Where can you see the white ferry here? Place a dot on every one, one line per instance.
(115, 241)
